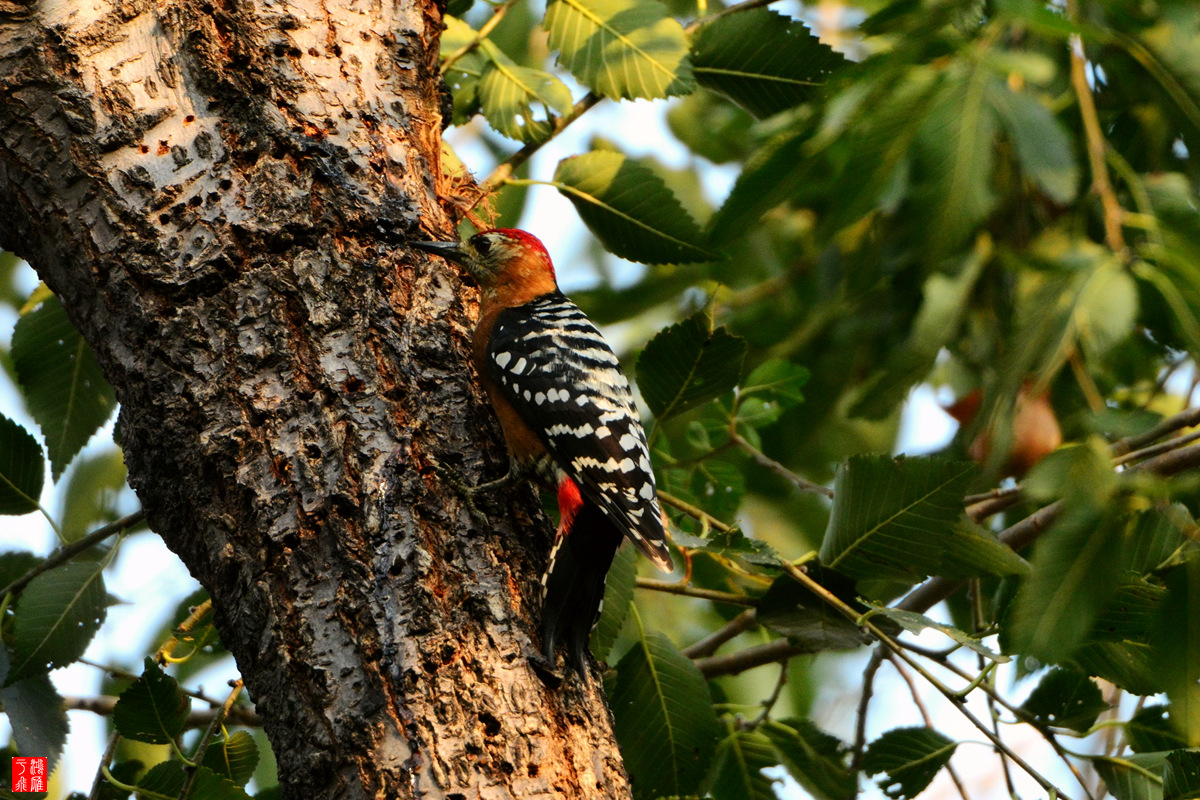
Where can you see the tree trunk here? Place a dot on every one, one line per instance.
(219, 193)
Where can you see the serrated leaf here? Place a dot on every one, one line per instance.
(1131, 613)
(1042, 145)
(630, 209)
(687, 365)
(14, 564)
(1154, 537)
(92, 493)
(736, 545)
(1150, 730)
(790, 609)
(1066, 699)
(152, 709)
(63, 386)
(913, 622)
(1074, 575)
(891, 515)
(234, 758)
(816, 760)
(1181, 775)
(507, 92)
(618, 592)
(163, 781)
(1133, 777)
(1129, 665)
(22, 470)
(972, 551)
(621, 48)
(769, 390)
(738, 764)
(911, 757)
(1176, 642)
(663, 718)
(36, 713)
(60, 612)
(763, 61)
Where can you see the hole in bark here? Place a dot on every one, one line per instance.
(533, 770)
(366, 36)
(280, 50)
(190, 118)
(143, 148)
(164, 218)
(312, 51)
(195, 202)
(353, 385)
(491, 725)
(336, 50)
(456, 796)
(312, 450)
(351, 168)
(225, 184)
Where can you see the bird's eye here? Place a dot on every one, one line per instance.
(482, 245)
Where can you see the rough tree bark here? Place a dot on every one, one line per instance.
(219, 193)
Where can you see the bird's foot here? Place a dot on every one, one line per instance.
(468, 492)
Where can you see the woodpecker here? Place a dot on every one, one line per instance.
(569, 421)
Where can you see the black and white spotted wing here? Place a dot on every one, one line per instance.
(564, 380)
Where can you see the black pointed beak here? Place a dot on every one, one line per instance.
(451, 251)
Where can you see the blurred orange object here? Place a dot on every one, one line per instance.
(1035, 430)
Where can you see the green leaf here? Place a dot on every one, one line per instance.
(126, 771)
(629, 208)
(234, 758)
(911, 757)
(60, 612)
(22, 470)
(621, 48)
(738, 764)
(816, 760)
(163, 781)
(1066, 699)
(1176, 641)
(891, 515)
(1131, 613)
(92, 493)
(1043, 147)
(913, 622)
(35, 711)
(763, 61)
(790, 609)
(663, 718)
(211, 786)
(618, 593)
(1134, 777)
(1155, 538)
(1129, 665)
(463, 76)
(776, 173)
(507, 91)
(1150, 730)
(14, 564)
(1181, 775)
(687, 365)
(972, 551)
(1074, 576)
(152, 709)
(769, 390)
(66, 392)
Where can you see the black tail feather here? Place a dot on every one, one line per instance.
(574, 583)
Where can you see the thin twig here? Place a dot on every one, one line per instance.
(670, 587)
(764, 460)
(1158, 449)
(730, 630)
(66, 553)
(207, 737)
(125, 674)
(103, 706)
(920, 704)
(502, 172)
(770, 702)
(692, 511)
(724, 12)
(1184, 419)
(109, 751)
(480, 35)
(864, 704)
(1114, 215)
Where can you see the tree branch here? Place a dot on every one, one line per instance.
(103, 706)
(66, 553)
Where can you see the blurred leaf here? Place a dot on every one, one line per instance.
(1181, 775)
(1074, 576)
(891, 515)
(1081, 473)
(1150, 730)
(36, 713)
(738, 763)
(1066, 699)
(234, 757)
(763, 61)
(463, 76)
(911, 757)
(1155, 537)
(711, 126)
(917, 623)
(1127, 778)
(63, 386)
(972, 551)
(816, 760)
(61, 610)
(1127, 664)
(152, 709)
(92, 492)
(771, 176)
(769, 390)
(507, 91)
(618, 592)
(621, 48)
(731, 544)
(14, 564)
(663, 718)
(211, 786)
(1130, 614)
(1176, 641)
(1042, 145)
(629, 208)
(687, 365)
(790, 609)
(22, 470)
